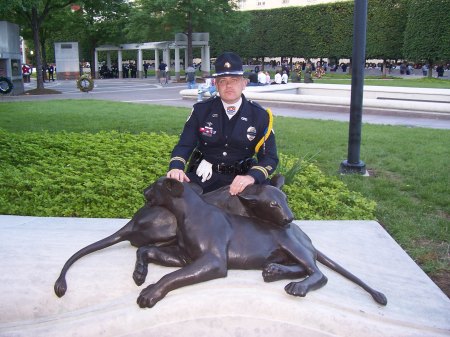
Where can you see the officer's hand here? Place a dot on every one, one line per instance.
(240, 183)
(178, 175)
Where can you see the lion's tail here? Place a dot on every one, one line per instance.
(119, 236)
(325, 260)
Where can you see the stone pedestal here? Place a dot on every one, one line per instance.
(101, 295)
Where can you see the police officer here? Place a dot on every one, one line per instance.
(226, 132)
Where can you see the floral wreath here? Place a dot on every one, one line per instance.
(85, 83)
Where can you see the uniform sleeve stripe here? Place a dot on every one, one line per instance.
(179, 159)
(262, 169)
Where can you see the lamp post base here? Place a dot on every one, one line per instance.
(350, 168)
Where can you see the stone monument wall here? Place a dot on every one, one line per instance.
(10, 55)
(67, 60)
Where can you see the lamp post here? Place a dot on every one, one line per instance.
(353, 164)
(31, 58)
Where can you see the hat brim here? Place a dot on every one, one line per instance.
(229, 73)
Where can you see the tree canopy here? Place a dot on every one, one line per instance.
(184, 16)
(397, 29)
(427, 34)
(33, 13)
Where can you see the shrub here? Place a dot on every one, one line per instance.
(103, 175)
(315, 196)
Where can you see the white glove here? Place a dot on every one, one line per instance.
(204, 170)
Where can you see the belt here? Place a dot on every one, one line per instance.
(240, 167)
(225, 169)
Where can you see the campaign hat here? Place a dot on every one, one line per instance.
(228, 64)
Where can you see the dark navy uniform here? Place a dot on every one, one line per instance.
(226, 142)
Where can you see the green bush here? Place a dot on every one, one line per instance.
(315, 196)
(103, 175)
(79, 174)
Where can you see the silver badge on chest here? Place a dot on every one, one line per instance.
(251, 133)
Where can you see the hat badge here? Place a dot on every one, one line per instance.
(227, 65)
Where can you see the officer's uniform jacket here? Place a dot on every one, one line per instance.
(225, 141)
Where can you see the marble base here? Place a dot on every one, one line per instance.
(101, 295)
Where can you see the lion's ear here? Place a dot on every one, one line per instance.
(174, 187)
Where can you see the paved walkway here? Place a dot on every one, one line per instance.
(147, 91)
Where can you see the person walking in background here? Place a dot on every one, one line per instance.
(145, 69)
(51, 70)
(162, 73)
(190, 77)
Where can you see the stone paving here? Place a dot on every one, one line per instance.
(147, 91)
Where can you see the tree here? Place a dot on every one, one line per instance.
(386, 24)
(188, 15)
(427, 34)
(101, 22)
(33, 13)
(232, 36)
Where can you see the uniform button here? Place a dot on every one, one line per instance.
(206, 143)
(224, 154)
(226, 145)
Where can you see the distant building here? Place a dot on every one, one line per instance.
(248, 5)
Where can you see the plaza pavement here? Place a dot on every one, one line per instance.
(147, 91)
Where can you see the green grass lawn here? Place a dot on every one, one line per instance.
(409, 166)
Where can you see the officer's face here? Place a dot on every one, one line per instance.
(230, 88)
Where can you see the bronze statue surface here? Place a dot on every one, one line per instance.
(178, 227)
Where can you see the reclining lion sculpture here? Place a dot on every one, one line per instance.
(155, 225)
(204, 241)
(206, 249)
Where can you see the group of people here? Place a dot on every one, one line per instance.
(48, 72)
(129, 70)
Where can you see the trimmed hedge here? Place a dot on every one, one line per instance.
(104, 174)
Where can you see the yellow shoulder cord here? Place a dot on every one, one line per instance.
(262, 141)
